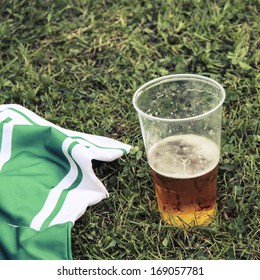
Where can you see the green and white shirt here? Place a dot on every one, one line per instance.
(46, 183)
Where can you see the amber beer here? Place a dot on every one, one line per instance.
(184, 171)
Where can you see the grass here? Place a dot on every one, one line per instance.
(77, 63)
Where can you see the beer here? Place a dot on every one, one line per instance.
(184, 172)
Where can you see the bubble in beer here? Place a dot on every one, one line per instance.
(184, 156)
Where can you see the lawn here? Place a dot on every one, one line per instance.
(77, 63)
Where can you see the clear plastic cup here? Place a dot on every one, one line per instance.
(180, 118)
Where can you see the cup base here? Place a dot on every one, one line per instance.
(190, 219)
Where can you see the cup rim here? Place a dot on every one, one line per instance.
(175, 77)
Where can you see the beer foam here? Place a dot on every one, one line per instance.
(183, 156)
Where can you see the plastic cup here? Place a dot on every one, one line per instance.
(180, 118)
